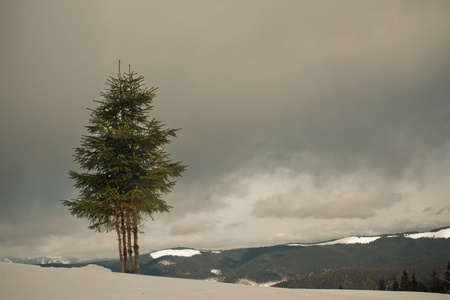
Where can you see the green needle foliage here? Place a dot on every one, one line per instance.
(127, 170)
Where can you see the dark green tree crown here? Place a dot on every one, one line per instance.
(123, 155)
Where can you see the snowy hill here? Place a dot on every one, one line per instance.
(25, 282)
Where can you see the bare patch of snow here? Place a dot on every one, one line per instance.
(216, 272)
(213, 279)
(347, 240)
(353, 240)
(269, 284)
(166, 263)
(245, 281)
(443, 233)
(175, 252)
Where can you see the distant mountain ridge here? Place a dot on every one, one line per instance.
(44, 260)
(443, 232)
(39, 260)
(268, 265)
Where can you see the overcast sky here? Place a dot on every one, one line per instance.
(301, 121)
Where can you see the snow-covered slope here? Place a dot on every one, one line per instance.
(442, 233)
(347, 240)
(435, 234)
(20, 282)
(174, 252)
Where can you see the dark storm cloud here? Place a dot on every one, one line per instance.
(324, 88)
(373, 92)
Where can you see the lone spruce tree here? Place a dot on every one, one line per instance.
(126, 168)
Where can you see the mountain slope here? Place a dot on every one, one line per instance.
(277, 263)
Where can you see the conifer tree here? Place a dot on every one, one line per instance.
(127, 170)
(405, 283)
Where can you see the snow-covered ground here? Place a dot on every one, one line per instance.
(20, 282)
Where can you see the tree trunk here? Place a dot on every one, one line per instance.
(136, 246)
(124, 241)
(130, 249)
(119, 238)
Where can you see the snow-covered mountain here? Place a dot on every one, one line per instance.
(261, 265)
(39, 260)
(441, 233)
(433, 234)
(274, 263)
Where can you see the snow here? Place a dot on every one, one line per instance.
(216, 272)
(6, 260)
(352, 240)
(174, 252)
(347, 240)
(54, 259)
(443, 233)
(42, 260)
(166, 263)
(20, 282)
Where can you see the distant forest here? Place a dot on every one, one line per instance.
(420, 279)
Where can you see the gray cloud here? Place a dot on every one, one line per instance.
(327, 89)
(190, 226)
(360, 202)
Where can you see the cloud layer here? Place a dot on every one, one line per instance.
(301, 120)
